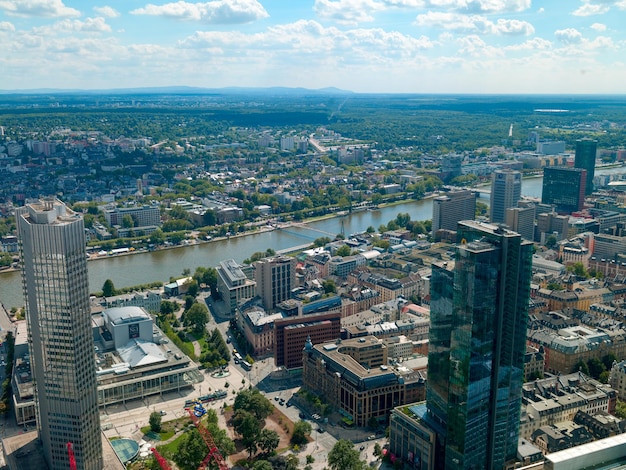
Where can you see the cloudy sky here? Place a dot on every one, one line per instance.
(414, 46)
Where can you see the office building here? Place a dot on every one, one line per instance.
(233, 285)
(275, 278)
(291, 334)
(61, 345)
(354, 377)
(142, 216)
(564, 188)
(585, 158)
(451, 208)
(522, 220)
(506, 190)
(479, 311)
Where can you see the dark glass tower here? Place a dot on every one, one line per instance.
(586, 158)
(565, 188)
(479, 312)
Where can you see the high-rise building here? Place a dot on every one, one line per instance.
(522, 220)
(506, 190)
(451, 208)
(479, 311)
(275, 277)
(565, 188)
(61, 346)
(586, 158)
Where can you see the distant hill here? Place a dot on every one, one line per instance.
(185, 90)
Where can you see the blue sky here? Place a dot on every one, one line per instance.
(403, 46)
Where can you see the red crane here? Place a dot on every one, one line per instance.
(70, 455)
(162, 462)
(214, 452)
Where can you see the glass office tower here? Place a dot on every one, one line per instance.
(56, 291)
(479, 311)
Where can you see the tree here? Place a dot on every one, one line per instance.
(301, 430)
(127, 221)
(262, 465)
(377, 450)
(108, 289)
(343, 456)
(168, 307)
(191, 451)
(155, 421)
(248, 427)
(344, 250)
(582, 367)
(329, 286)
(596, 367)
(193, 288)
(197, 316)
(254, 402)
(551, 241)
(268, 440)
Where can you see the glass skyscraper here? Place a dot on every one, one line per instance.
(479, 311)
(585, 157)
(56, 291)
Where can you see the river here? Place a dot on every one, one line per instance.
(160, 265)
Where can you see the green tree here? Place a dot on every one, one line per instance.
(168, 307)
(249, 428)
(254, 402)
(596, 367)
(127, 221)
(108, 289)
(155, 421)
(608, 360)
(370, 229)
(301, 431)
(620, 409)
(191, 451)
(582, 367)
(268, 440)
(262, 465)
(329, 286)
(197, 316)
(193, 288)
(343, 250)
(378, 451)
(551, 241)
(343, 456)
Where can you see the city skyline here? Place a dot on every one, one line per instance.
(370, 46)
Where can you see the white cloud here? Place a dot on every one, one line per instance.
(475, 46)
(474, 24)
(569, 36)
(347, 11)
(598, 27)
(107, 12)
(310, 37)
(477, 6)
(90, 25)
(5, 26)
(213, 12)
(39, 8)
(534, 44)
(590, 9)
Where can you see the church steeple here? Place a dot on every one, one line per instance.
(308, 345)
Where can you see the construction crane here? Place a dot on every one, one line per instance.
(162, 462)
(70, 455)
(214, 453)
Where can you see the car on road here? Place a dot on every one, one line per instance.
(276, 398)
(362, 448)
(320, 430)
(162, 412)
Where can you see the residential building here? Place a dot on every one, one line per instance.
(564, 188)
(233, 285)
(150, 300)
(451, 208)
(585, 158)
(479, 311)
(506, 190)
(354, 376)
(61, 345)
(258, 328)
(275, 278)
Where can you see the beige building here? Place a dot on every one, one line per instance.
(353, 376)
(233, 284)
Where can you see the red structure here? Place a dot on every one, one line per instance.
(214, 452)
(162, 462)
(70, 455)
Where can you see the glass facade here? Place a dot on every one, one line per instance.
(477, 341)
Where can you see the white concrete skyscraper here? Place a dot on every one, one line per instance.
(506, 190)
(56, 292)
